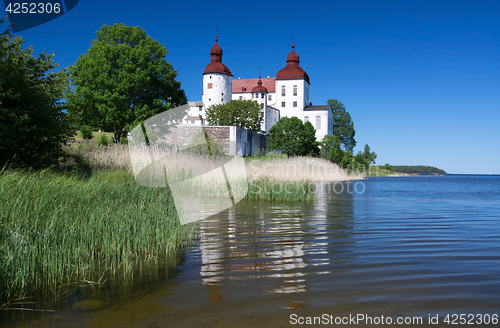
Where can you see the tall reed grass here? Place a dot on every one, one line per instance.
(56, 229)
(261, 171)
(296, 169)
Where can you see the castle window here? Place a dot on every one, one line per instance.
(282, 104)
(295, 90)
(209, 86)
(210, 77)
(318, 122)
(200, 108)
(294, 104)
(262, 106)
(222, 93)
(306, 119)
(283, 91)
(270, 97)
(222, 100)
(262, 96)
(209, 99)
(241, 97)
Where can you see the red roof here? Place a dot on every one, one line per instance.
(246, 85)
(292, 70)
(259, 87)
(216, 65)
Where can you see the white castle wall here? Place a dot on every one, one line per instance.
(302, 97)
(220, 91)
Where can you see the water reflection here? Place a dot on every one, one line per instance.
(284, 243)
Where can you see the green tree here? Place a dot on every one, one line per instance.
(242, 113)
(369, 155)
(293, 137)
(343, 127)
(33, 125)
(388, 167)
(122, 80)
(330, 149)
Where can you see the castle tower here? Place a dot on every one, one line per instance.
(259, 94)
(217, 81)
(292, 87)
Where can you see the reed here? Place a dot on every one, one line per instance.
(56, 229)
(270, 176)
(296, 169)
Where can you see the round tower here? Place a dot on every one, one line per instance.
(292, 87)
(217, 81)
(259, 94)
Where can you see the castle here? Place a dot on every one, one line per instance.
(285, 95)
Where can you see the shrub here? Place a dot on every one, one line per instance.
(86, 132)
(103, 140)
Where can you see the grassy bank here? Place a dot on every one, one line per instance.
(57, 229)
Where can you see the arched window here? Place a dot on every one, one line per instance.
(306, 119)
(318, 122)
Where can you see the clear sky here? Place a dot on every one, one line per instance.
(421, 79)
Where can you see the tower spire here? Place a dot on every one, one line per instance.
(216, 33)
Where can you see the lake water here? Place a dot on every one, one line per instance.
(403, 248)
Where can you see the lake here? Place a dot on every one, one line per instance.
(412, 250)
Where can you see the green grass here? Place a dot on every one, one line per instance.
(95, 135)
(57, 229)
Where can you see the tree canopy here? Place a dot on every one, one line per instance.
(122, 79)
(366, 157)
(242, 113)
(33, 125)
(293, 137)
(343, 127)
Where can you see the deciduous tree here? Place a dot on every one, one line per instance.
(33, 125)
(122, 80)
(293, 137)
(343, 127)
(242, 113)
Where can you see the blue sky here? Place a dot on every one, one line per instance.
(421, 79)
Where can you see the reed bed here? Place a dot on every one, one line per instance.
(56, 229)
(113, 157)
(296, 169)
(269, 177)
